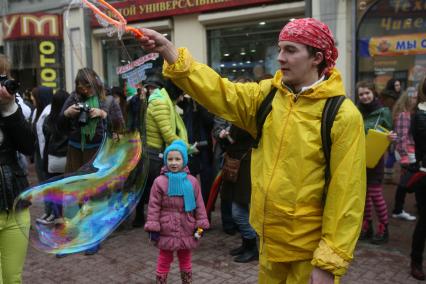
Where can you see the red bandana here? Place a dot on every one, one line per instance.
(314, 33)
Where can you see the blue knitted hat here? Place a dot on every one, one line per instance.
(177, 145)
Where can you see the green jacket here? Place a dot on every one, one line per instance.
(379, 117)
(163, 123)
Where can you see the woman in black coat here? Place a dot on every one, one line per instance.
(419, 135)
(16, 135)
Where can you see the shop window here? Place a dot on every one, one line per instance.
(245, 51)
(390, 41)
(118, 53)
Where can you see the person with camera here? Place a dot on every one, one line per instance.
(16, 135)
(85, 117)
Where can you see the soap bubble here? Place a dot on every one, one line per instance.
(92, 201)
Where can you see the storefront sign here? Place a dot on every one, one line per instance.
(138, 10)
(45, 48)
(38, 25)
(398, 45)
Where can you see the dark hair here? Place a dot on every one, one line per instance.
(42, 96)
(390, 85)
(173, 90)
(87, 76)
(58, 101)
(421, 93)
(312, 52)
(366, 84)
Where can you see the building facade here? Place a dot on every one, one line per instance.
(238, 38)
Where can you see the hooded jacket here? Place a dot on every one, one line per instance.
(163, 123)
(288, 166)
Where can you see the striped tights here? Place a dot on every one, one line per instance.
(375, 197)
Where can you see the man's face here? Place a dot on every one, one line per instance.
(296, 64)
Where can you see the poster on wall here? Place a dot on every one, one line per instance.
(34, 44)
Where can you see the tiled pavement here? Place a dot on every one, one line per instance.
(127, 257)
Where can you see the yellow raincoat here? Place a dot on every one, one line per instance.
(288, 166)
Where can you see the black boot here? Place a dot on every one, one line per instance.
(417, 271)
(239, 250)
(161, 279)
(382, 235)
(250, 251)
(367, 230)
(186, 277)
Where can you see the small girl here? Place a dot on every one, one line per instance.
(176, 213)
(374, 114)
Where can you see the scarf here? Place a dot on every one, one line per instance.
(366, 109)
(90, 128)
(179, 185)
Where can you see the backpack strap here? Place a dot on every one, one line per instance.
(329, 113)
(263, 111)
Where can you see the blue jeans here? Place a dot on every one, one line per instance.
(240, 214)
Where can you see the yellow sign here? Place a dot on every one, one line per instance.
(408, 44)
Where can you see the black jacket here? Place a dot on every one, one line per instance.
(16, 135)
(418, 129)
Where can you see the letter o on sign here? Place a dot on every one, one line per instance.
(47, 47)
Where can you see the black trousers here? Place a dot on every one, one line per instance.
(419, 236)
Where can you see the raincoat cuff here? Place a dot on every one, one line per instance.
(329, 259)
(152, 226)
(182, 66)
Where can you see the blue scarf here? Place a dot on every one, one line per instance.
(179, 185)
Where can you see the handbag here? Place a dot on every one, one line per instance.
(231, 168)
(412, 179)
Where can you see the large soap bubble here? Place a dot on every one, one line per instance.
(93, 201)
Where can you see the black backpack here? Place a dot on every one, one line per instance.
(329, 113)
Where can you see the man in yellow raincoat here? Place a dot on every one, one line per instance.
(302, 239)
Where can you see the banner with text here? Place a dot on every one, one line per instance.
(406, 44)
(137, 10)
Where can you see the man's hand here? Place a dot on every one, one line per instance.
(319, 276)
(152, 41)
(5, 97)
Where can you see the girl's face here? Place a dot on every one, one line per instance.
(365, 95)
(174, 161)
(397, 86)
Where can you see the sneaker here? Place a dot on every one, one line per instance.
(48, 221)
(42, 218)
(404, 216)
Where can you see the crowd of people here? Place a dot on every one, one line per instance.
(299, 209)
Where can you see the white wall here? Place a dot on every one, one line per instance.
(337, 14)
(74, 46)
(189, 32)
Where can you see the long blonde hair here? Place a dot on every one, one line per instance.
(403, 104)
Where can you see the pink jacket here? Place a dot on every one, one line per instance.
(167, 215)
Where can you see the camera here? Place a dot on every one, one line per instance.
(11, 85)
(83, 118)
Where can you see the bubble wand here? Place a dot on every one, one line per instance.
(120, 23)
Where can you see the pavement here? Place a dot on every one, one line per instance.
(128, 257)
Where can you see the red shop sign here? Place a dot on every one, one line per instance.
(37, 25)
(137, 10)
